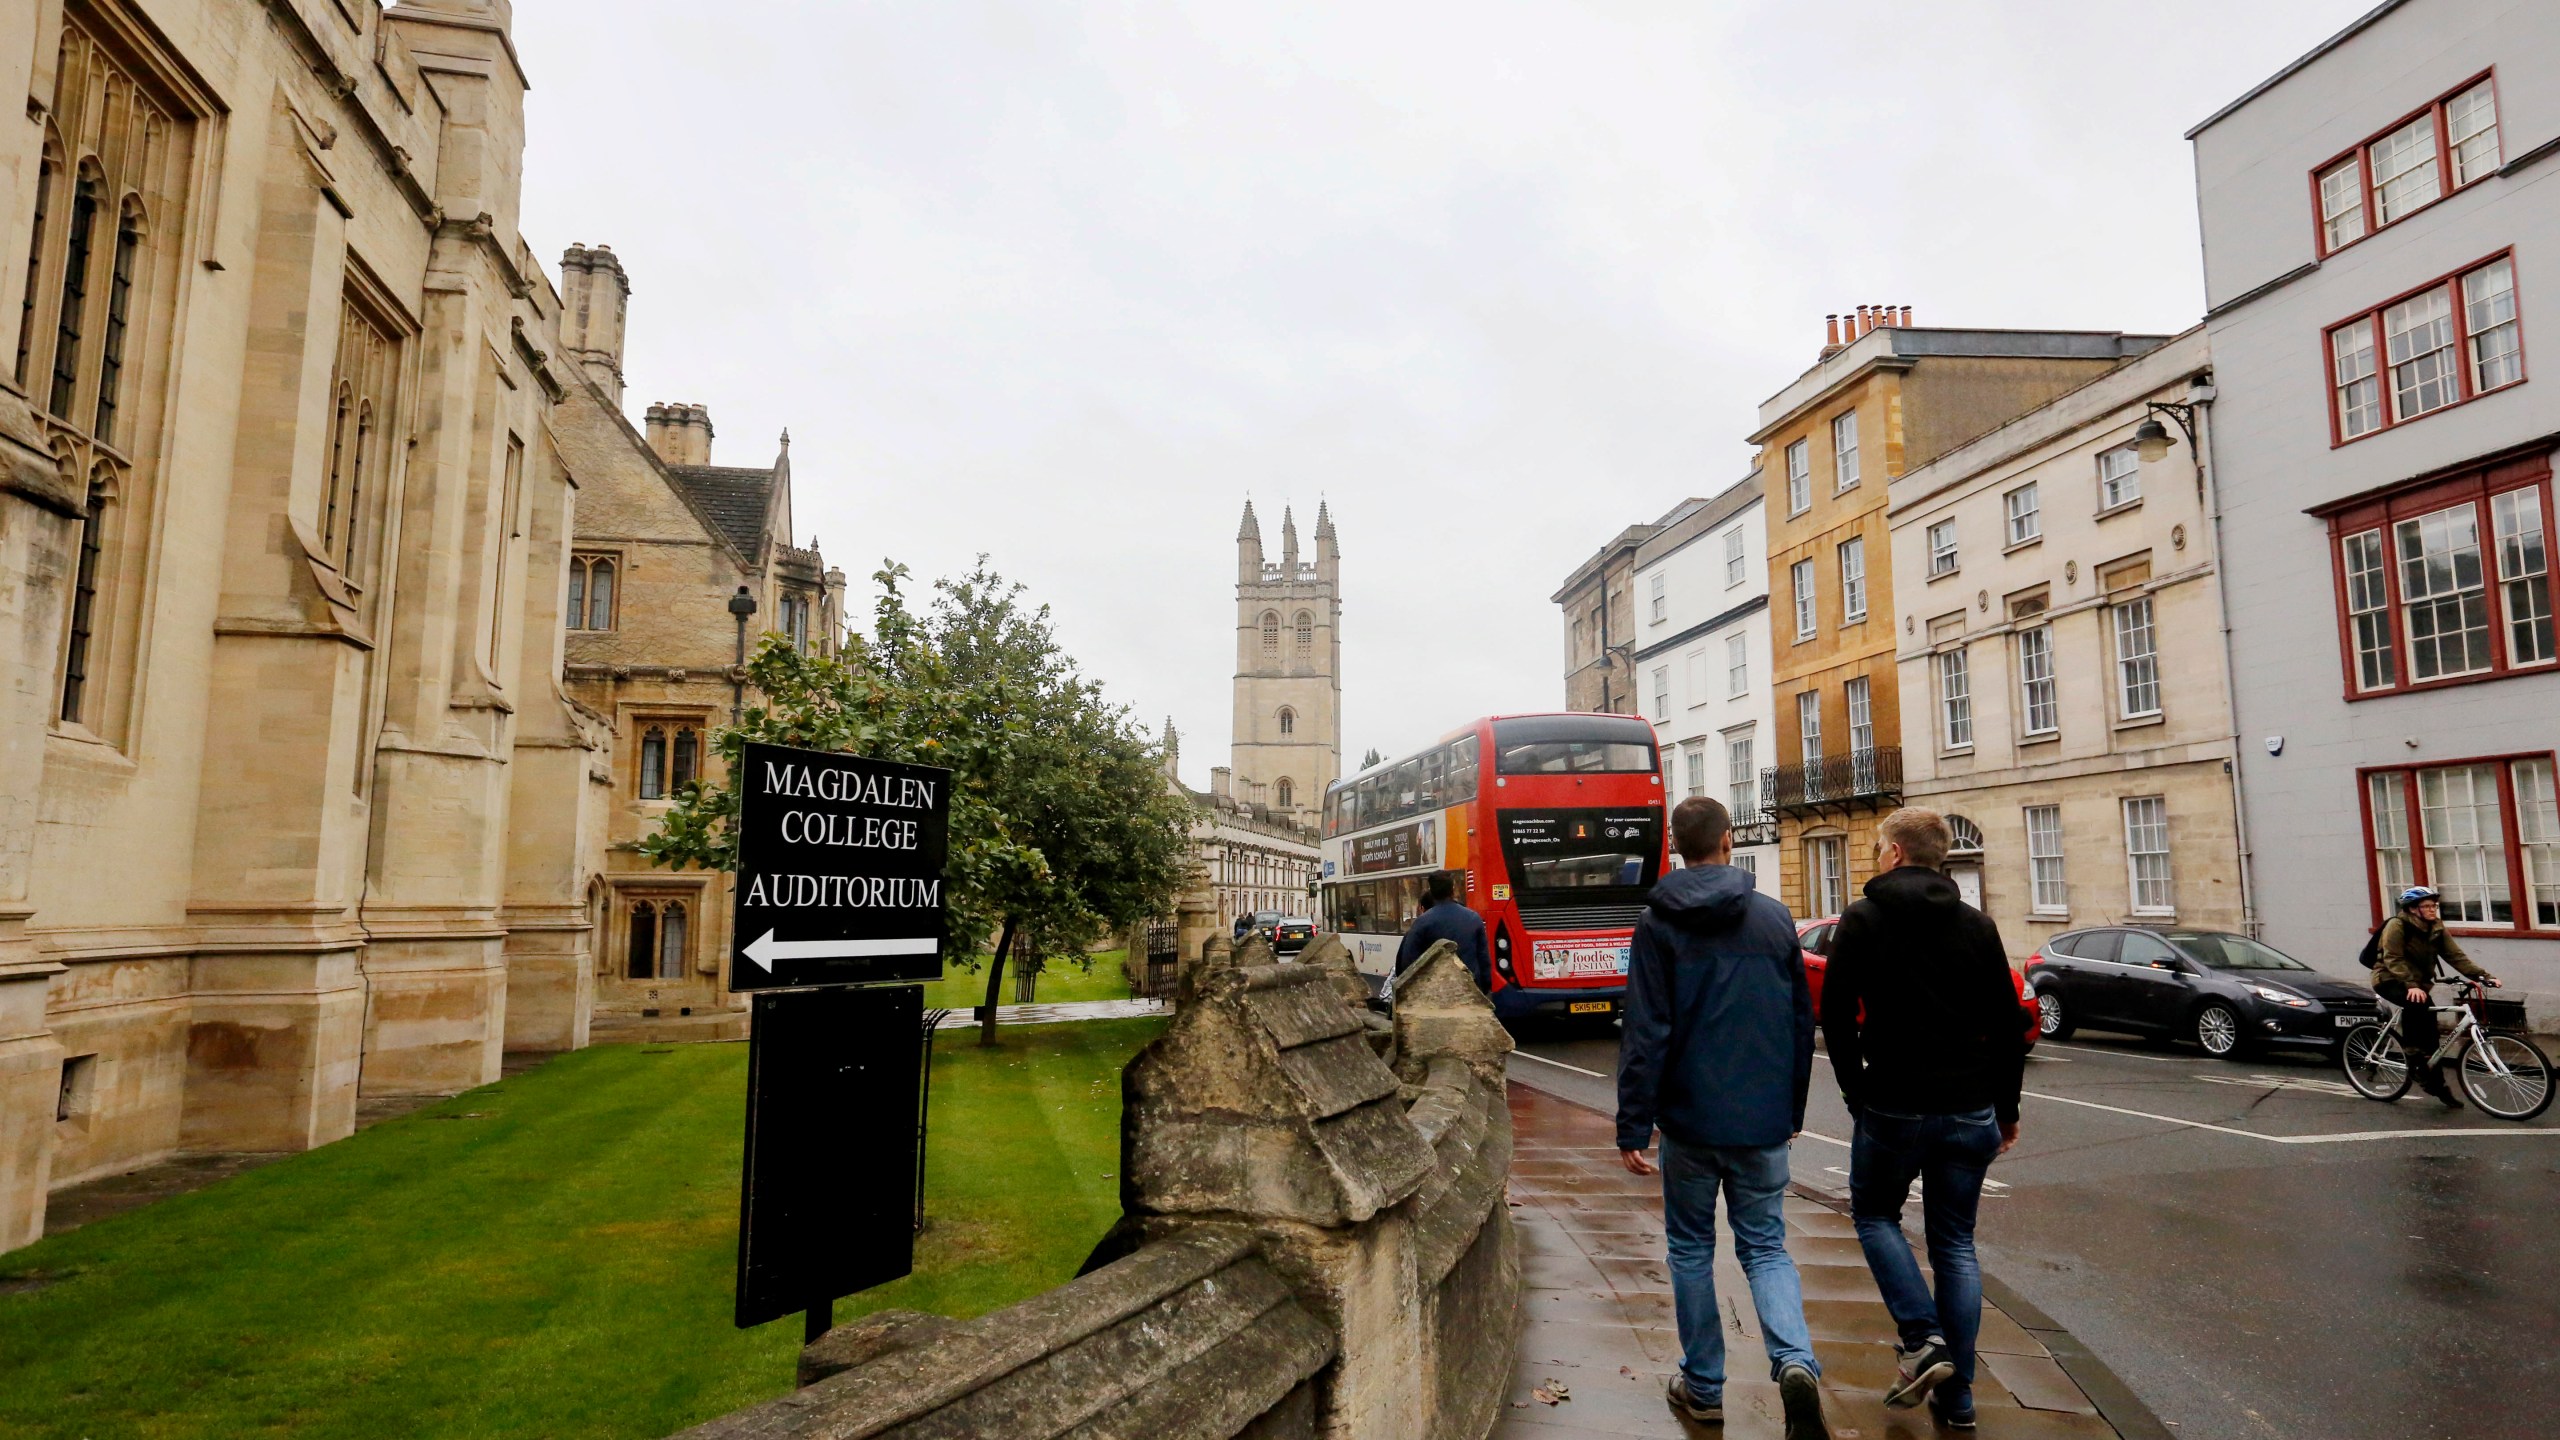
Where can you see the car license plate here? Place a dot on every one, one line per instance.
(2348, 1021)
(1590, 1007)
(1575, 959)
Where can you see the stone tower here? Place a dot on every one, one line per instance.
(1288, 723)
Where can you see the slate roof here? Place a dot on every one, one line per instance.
(735, 498)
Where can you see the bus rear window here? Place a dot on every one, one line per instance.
(1573, 745)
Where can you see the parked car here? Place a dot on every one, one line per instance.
(1815, 936)
(1291, 934)
(2228, 993)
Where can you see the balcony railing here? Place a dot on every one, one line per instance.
(1859, 779)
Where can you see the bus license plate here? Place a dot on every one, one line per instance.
(1574, 959)
(1590, 1007)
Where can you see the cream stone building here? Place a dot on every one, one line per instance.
(669, 550)
(293, 808)
(2059, 624)
(1288, 697)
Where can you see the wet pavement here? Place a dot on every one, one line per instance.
(1599, 1331)
(2255, 1249)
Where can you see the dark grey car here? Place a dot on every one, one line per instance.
(2228, 993)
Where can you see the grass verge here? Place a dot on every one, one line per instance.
(551, 1255)
(1060, 984)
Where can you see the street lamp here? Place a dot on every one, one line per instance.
(741, 605)
(2151, 438)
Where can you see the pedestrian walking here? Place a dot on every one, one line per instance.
(1443, 918)
(1920, 1018)
(1717, 1055)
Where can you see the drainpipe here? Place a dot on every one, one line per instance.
(2200, 393)
(741, 605)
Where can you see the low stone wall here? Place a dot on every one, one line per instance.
(1314, 1242)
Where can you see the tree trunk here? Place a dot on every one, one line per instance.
(995, 981)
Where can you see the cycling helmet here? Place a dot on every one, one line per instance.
(2417, 895)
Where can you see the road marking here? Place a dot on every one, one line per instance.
(2284, 1082)
(2350, 1137)
(2124, 1054)
(1543, 1060)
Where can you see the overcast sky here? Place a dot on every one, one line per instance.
(1066, 284)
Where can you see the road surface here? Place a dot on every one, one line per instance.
(2258, 1251)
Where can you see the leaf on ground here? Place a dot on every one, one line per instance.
(1552, 1392)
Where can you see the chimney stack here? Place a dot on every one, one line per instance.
(1906, 316)
(594, 294)
(680, 433)
(1830, 333)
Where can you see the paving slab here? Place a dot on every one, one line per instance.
(1597, 1313)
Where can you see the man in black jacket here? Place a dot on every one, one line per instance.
(1717, 1055)
(1921, 1020)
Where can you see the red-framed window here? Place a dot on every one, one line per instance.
(2446, 582)
(2484, 832)
(2410, 164)
(2454, 339)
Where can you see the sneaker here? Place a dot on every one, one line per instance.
(1922, 1367)
(1952, 1417)
(1690, 1407)
(1801, 1395)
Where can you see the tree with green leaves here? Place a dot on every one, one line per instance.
(1063, 825)
(1372, 758)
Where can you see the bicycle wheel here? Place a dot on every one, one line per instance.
(2371, 1057)
(2506, 1076)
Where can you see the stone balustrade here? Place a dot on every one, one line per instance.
(1314, 1241)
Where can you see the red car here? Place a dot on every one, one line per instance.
(1815, 937)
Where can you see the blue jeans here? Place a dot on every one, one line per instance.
(1754, 1181)
(1949, 1155)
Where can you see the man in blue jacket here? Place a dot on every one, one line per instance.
(1718, 1054)
(1443, 918)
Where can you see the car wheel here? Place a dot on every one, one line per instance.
(2219, 1031)
(2052, 1021)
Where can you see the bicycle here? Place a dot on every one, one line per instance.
(2504, 1073)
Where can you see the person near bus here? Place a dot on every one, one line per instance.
(2408, 955)
(1920, 1019)
(1443, 918)
(1717, 1054)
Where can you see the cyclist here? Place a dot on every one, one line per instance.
(2406, 955)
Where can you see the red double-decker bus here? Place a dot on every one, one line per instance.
(1551, 826)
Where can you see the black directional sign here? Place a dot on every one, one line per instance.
(839, 870)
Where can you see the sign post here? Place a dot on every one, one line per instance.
(838, 916)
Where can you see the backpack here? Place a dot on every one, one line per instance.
(2370, 957)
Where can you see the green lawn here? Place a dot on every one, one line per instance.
(549, 1256)
(960, 989)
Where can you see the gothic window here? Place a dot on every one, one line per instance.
(1306, 634)
(78, 646)
(653, 763)
(1271, 634)
(510, 529)
(119, 318)
(1288, 721)
(643, 961)
(591, 584)
(69, 312)
(46, 171)
(670, 757)
(365, 383)
(660, 940)
(1287, 793)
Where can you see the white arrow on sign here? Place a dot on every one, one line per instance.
(764, 949)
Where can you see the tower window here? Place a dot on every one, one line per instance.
(119, 306)
(1306, 634)
(76, 648)
(1287, 793)
(1271, 633)
(75, 298)
(1288, 721)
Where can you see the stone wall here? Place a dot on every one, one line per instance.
(1314, 1241)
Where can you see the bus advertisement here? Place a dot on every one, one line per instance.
(1551, 827)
